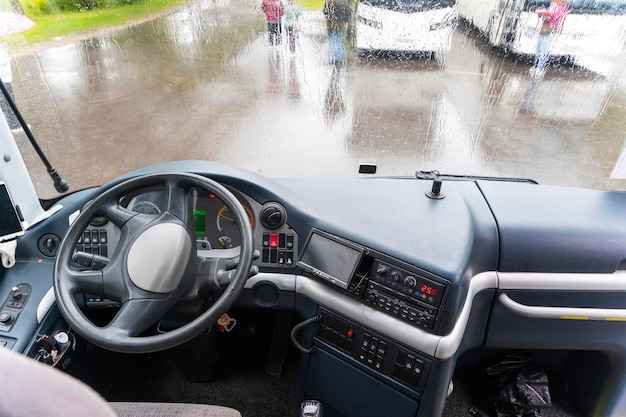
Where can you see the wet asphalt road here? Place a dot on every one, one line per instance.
(202, 83)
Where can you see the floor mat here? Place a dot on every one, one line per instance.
(232, 374)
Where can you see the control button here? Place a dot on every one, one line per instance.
(366, 340)
(266, 240)
(103, 237)
(414, 381)
(5, 318)
(87, 238)
(95, 237)
(350, 334)
(381, 269)
(410, 281)
(374, 344)
(396, 276)
(398, 371)
(273, 240)
(346, 343)
(281, 240)
(289, 244)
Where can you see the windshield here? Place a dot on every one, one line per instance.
(313, 89)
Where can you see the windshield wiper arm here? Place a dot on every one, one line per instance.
(59, 183)
(431, 175)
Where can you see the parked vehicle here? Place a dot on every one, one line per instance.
(405, 25)
(590, 29)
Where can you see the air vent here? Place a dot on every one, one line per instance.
(273, 215)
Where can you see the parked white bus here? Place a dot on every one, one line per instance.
(591, 28)
(405, 25)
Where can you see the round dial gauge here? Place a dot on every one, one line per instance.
(146, 207)
(225, 218)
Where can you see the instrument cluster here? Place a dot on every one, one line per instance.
(214, 221)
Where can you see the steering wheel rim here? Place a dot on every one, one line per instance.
(144, 299)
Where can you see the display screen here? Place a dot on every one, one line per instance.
(330, 259)
(199, 218)
(10, 225)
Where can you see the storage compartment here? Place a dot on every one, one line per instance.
(345, 390)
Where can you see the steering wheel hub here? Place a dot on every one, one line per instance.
(157, 258)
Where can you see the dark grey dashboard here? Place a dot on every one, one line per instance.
(416, 281)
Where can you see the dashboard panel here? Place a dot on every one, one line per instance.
(403, 284)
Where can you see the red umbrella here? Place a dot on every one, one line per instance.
(13, 22)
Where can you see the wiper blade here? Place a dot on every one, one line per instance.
(59, 183)
(431, 175)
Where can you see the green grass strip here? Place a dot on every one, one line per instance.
(63, 25)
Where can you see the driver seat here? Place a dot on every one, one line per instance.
(30, 388)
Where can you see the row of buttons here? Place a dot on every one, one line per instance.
(408, 283)
(93, 241)
(408, 369)
(335, 338)
(278, 240)
(277, 256)
(399, 308)
(93, 237)
(372, 352)
(337, 332)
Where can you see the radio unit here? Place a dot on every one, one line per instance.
(405, 294)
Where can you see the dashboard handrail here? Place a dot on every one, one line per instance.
(449, 344)
(562, 313)
(549, 281)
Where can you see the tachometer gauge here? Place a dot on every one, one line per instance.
(146, 207)
(225, 217)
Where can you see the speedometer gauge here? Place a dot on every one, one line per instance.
(225, 217)
(146, 207)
